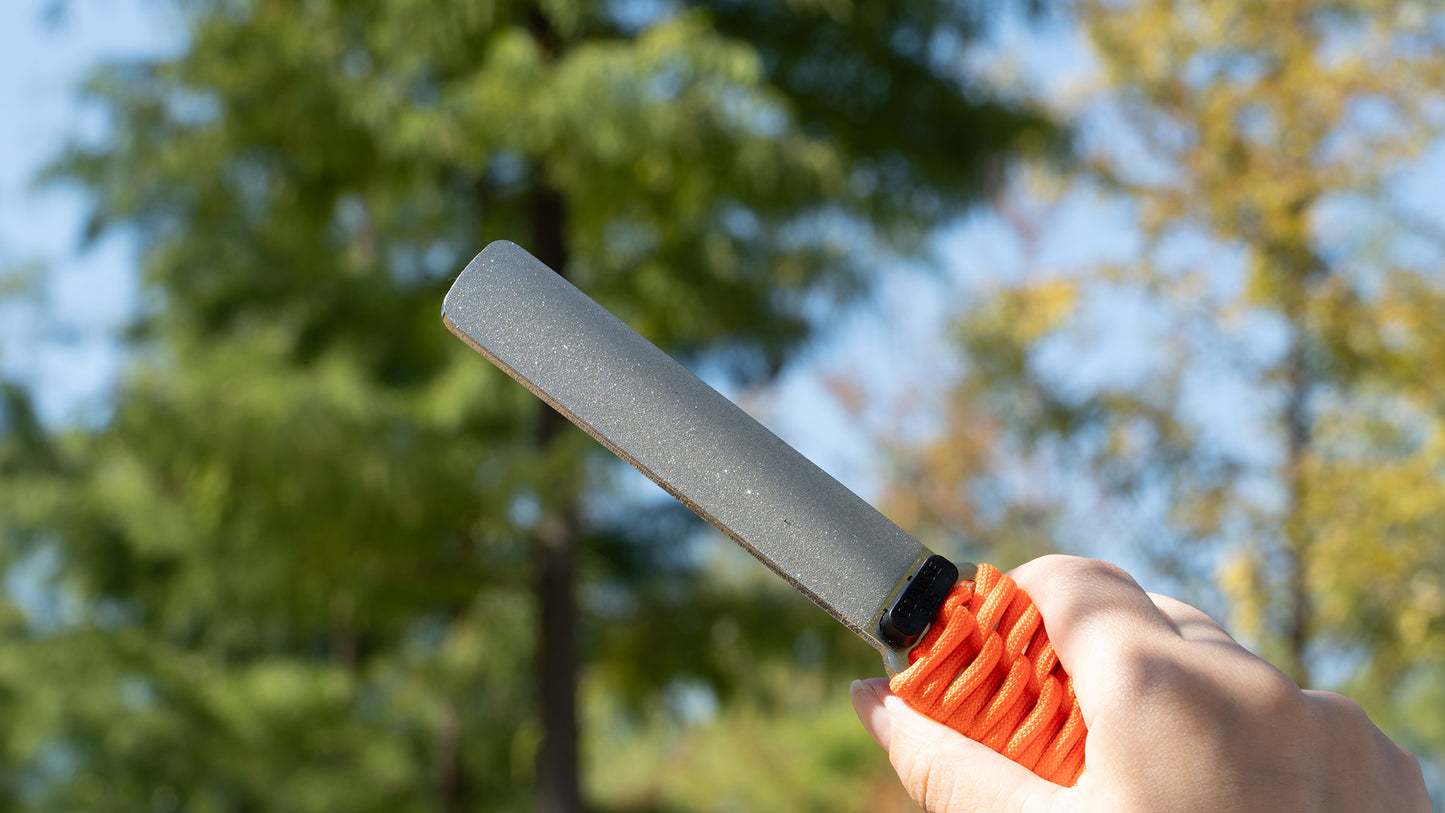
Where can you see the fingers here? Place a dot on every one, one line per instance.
(1103, 625)
(1097, 586)
(1177, 710)
(1364, 755)
(944, 771)
(1086, 602)
(867, 697)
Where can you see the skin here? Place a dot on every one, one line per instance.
(1180, 718)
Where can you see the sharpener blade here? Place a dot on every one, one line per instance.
(696, 444)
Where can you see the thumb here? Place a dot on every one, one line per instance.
(944, 771)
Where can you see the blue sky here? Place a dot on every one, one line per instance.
(87, 291)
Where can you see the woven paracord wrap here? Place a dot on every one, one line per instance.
(987, 670)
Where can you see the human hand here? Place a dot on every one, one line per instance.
(1180, 718)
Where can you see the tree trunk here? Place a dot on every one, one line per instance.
(1302, 267)
(449, 778)
(1297, 535)
(558, 788)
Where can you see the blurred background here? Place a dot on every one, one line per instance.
(1159, 282)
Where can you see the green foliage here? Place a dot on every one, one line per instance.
(294, 568)
(803, 757)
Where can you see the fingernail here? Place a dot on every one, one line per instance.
(868, 704)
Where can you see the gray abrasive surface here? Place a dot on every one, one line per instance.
(689, 439)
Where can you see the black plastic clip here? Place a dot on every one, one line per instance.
(913, 609)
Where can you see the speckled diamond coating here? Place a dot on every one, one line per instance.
(684, 435)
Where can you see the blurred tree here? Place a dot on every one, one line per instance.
(306, 562)
(1265, 148)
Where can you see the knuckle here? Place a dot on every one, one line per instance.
(1058, 560)
(1060, 564)
(1341, 716)
(1085, 587)
(1270, 691)
(1414, 779)
(1345, 724)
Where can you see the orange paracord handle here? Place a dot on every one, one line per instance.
(987, 670)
